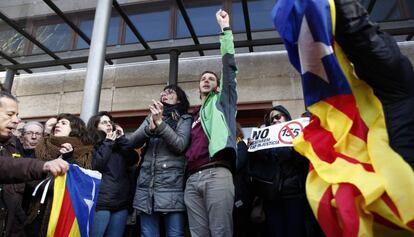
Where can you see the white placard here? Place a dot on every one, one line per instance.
(279, 135)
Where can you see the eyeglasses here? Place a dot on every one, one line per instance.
(167, 92)
(38, 134)
(277, 117)
(105, 122)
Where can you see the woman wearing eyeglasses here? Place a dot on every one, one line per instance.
(278, 177)
(112, 156)
(160, 185)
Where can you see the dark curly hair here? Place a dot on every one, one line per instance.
(77, 126)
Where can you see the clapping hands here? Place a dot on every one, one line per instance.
(156, 109)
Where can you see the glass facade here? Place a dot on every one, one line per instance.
(391, 10)
(152, 25)
(56, 37)
(409, 6)
(237, 17)
(86, 26)
(158, 21)
(202, 17)
(259, 13)
(384, 10)
(11, 42)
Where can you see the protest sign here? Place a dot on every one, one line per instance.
(278, 135)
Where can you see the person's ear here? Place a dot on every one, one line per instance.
(217, 89)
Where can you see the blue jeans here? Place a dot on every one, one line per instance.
(174, 224)
(109, 224)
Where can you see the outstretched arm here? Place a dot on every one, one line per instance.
(376, 56)
(228, 95)
(22, 170)
(140, 136)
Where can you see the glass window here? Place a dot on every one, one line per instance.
(237, 20)
(152, 25)
(384, 10)
(56, 37)
(202, 15)
(260, 14)
(11, 42)
(410, 9)
(87, 25)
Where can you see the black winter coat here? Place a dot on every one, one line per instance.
(12, 194)
(378, 61)
(277, 172)
(112, 159)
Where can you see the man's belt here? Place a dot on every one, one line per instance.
(216, 164)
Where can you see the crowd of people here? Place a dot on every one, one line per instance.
(178, 174)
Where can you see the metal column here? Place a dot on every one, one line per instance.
(97, 51)
(8, 81)
(173, 80)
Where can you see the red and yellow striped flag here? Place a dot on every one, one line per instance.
(357, 185)
(74, 200)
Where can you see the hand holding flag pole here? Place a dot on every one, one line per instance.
(56, 167)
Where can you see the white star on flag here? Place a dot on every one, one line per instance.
(311, 52)
(89, 203)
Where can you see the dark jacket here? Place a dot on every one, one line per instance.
(378, 61)
(112, 159)
(282, 168)
(12, 194)
(277, 171)
(20, 170)
(160, 185)
(243, 196)
(25, 153)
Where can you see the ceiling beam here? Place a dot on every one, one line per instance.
(14, 62)
(132, 27)
(189, 25)
(146, 52)
(63, 16)
(247, 22)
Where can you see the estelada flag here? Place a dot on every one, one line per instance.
(74, 201)
(357, 185)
